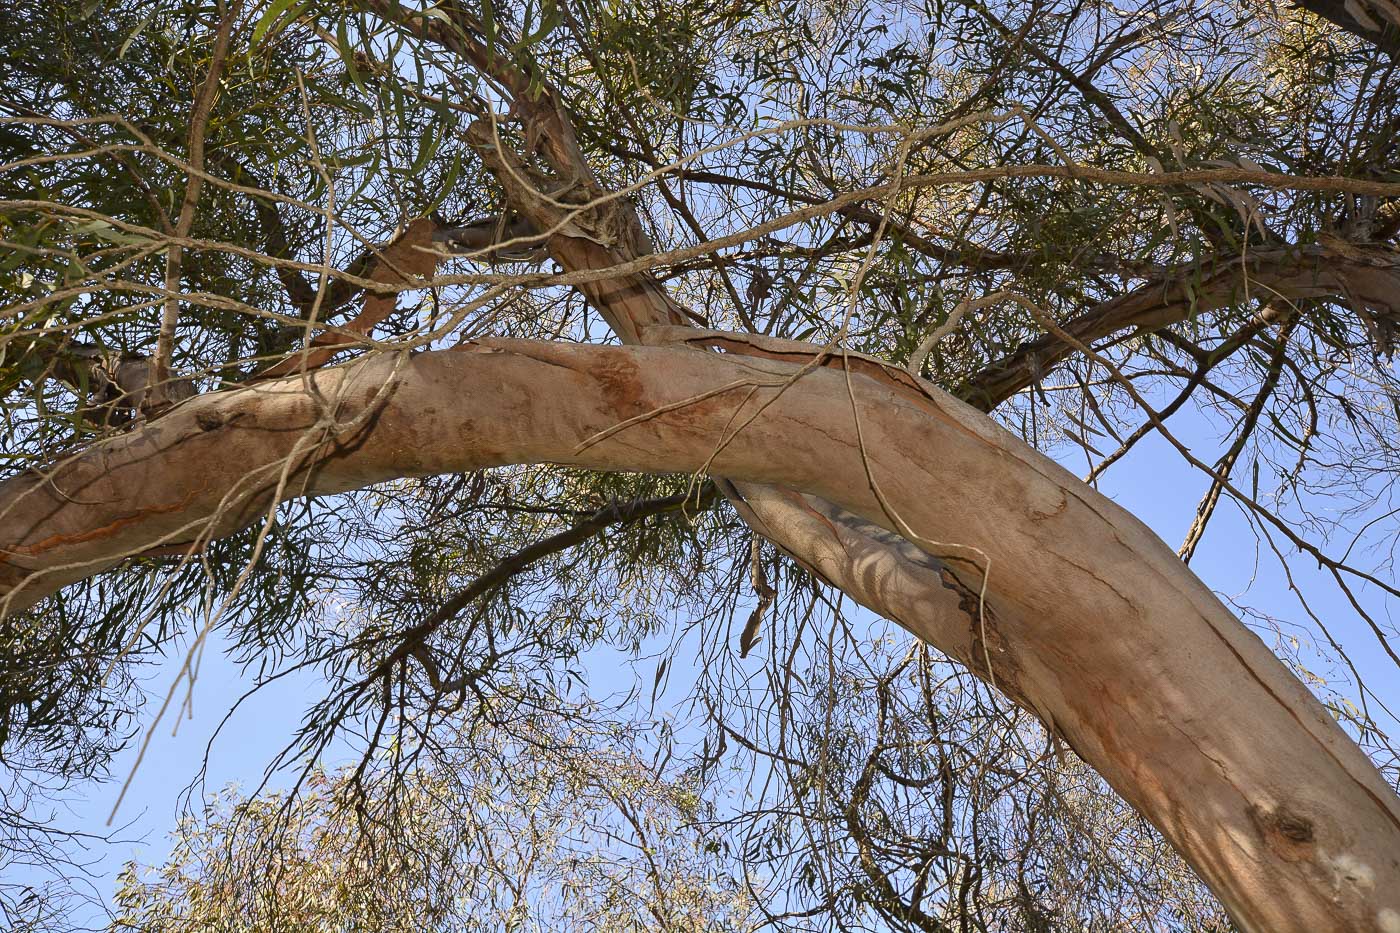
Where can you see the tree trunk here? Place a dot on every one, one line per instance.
(1088, 618)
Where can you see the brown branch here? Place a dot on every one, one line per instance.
(618, 513)
(1098, 624)
(1377, 28)
(300, 292)
(1205, 363)
(766, 594)
(199, 124)
(966, 255)
(1366, 275)
(408, 258)
(1226, 463)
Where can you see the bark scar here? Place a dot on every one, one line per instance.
(1288, 833)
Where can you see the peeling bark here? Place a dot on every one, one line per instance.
(1094, 620)
(408, 257)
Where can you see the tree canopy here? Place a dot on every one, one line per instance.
(467, 355)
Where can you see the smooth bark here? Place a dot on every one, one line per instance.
(1089, 618)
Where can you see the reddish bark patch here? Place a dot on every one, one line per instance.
(95, 534)
(621, 382)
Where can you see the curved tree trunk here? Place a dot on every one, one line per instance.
(1088, 618)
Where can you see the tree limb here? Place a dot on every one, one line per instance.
(1367, 276)
(1374, 25)
(618, 513)
(1092, 619)
(199, 125)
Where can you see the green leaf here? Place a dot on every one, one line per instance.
(140, 28)
(550, 18)
(488, 25)
(271, 16)
(347, 56)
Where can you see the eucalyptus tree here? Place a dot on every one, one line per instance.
(449, 350)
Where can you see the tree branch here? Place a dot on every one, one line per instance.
(618, 513)
(410, 256)
(1374, 26)
(1368, 276)
(199, 125)
(1088, 616)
